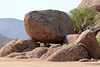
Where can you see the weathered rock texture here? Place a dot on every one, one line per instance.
(88, 38)
(12, 55)
(18, 46)
(48, 25)
(54, 46)
(7, 49)
(92, 3)
(21, 57)
(97, 20)
(51, 50)
(71, 38)
(71, 52)
(24, 44)
(37, 52)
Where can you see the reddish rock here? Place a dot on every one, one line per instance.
(37, 52)
(50, 51)
(96, 7)
(92, 3)
(71, 38)
(92, 60)
(54, 46)
(49, 26)
(20, 45)
(97, 21)
(46, 46)
(88, 38)
(7, 49)
(72, 52)
(84, 60)
(24, 45)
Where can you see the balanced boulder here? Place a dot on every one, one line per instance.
(49, 26)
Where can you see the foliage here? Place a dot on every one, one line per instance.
(82, 18)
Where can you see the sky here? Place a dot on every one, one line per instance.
(18, 8)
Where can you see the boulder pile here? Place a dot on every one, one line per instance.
(50, 27)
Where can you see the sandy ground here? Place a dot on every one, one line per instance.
(6, 62)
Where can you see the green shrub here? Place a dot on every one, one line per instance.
(82, 18)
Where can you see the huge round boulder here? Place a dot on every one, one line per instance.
(49, 26)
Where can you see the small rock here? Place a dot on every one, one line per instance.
(92, 59)
(84, 60)
(21, 57)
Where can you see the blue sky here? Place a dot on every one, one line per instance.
(18, 8)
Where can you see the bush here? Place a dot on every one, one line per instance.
(82, 18)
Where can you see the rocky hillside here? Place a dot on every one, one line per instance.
(12, 28)
(92, 3)
(3, 40)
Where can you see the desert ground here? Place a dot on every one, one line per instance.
(7, 62)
